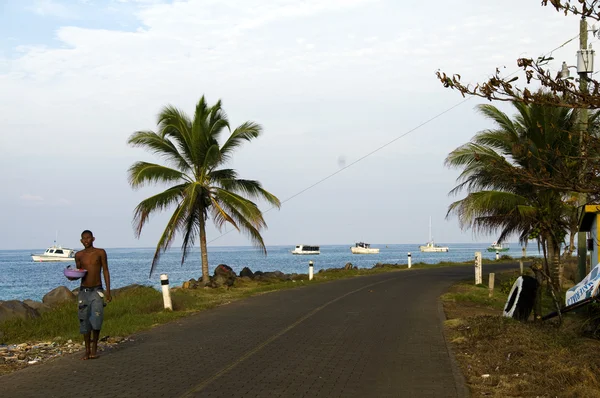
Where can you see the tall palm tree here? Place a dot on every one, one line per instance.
(199, 187)
(496, 164)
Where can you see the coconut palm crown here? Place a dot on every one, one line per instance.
(200, 187)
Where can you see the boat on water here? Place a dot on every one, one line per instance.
(363, 248)
(306, 249)
(498, 247)
(431, 247)
(55, 254)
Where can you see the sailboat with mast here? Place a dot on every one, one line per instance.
(431, 247)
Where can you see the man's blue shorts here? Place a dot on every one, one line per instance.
(91, 308)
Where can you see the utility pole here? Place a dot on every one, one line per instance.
(583, 127)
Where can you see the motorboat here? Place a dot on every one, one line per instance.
(306, 249)
(363, 248)
(498, 247)
(55, 254)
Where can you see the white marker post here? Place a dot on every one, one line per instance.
(409, 260)
(310, 270)
(497, 255)
(164, 281)
(491, 284)
(478, 269)
(524, 252)
(521, 266)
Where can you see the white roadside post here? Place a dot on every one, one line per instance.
(478, 270)
(164, 281)
(523, 252)
(491, 284)
(310, 270)
(409, 260)
(497, 255)
(521, 266)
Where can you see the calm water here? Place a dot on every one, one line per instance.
(21, 278)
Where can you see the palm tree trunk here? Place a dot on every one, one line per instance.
(571, 248)
(555, 267)
(203, 251)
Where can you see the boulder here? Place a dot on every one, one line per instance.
(348, 266)
(57, 296)
(224, 269)
(38, 306)
(223, 276)
(246, 272)
(16, 309)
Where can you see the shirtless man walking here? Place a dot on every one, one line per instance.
(91, 294)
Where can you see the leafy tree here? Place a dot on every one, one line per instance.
(557, 91)
(535, 142)
(200, 188)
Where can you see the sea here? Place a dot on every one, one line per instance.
(21, 278)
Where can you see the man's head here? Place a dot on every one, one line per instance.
(87, 238)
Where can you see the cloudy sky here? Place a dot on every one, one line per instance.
(329, 80)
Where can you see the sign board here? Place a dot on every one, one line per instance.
(587, 288)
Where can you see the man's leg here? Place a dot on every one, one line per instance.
(86, 338)
(94, 348)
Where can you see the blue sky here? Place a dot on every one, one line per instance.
(329, 80)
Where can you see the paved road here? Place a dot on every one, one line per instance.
(372, 336)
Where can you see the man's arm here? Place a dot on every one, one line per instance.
(78, 261)
(106, 273)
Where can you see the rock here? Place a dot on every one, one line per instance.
(348, 266)
(224, 269)
(38, 306)
(186, 285)
(16, 309)
(21, 357)
(246, 272)
(58, 296)
(223, 276)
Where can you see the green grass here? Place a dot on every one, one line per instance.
(142, 308)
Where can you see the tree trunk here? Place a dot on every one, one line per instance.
(203, 251)
(571, 248)
(554, 262)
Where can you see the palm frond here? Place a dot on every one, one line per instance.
(244, 133)
(156, 203)
(142, 173)
(159, 145)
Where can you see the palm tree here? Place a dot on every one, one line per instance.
(199, 187)
(496, 166)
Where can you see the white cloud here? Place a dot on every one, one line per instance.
(52, 8)
(31, 198)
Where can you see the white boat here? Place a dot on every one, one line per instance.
(55, 254)
(306, 249)
(431, 247)
(363, 248)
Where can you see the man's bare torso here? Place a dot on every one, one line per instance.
(91, 260)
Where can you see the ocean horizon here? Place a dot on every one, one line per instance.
(21, 278)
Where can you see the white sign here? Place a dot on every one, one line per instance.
(587, 288)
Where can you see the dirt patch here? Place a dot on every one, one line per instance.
(501, 357)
